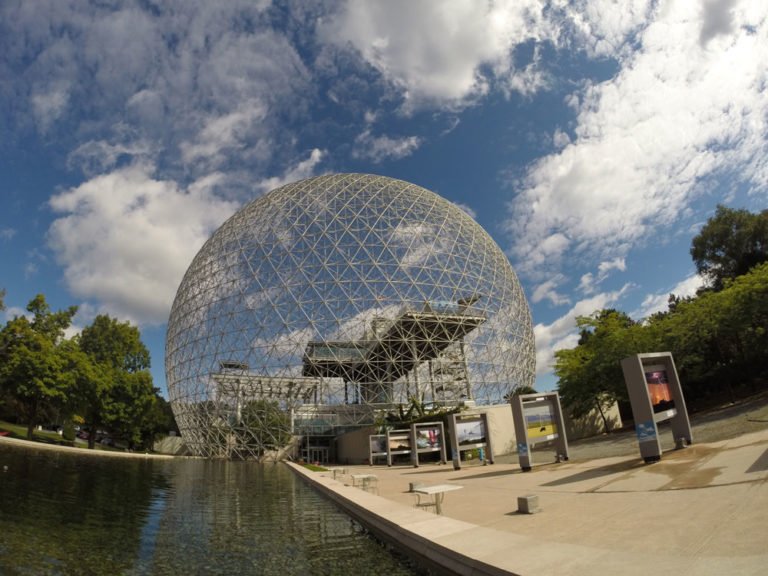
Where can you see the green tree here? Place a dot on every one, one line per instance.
(730, 244)
(119, 394)
(34, 361)
(266, 425)
(131, 410)
(159, 421)
(590, 375)
(720, 338)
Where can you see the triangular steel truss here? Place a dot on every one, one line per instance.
(326, 301)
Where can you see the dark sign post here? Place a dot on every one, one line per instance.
(538, 418)
(656, 396)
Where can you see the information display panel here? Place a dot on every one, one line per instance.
(538, 418)
(470, 432)
(656, 396)
(377, 447)
(429, 437)
(398, 443)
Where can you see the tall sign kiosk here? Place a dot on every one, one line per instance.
(538, 418)
(656, 396)
(470, 432)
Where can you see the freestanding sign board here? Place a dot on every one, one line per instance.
(398, 443)
(428, 437)
(470, 432)
(538, 418)
(656, 396)
(377, 447)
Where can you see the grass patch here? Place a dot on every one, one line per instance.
(314, 468)
(20, 432)
(47, 437)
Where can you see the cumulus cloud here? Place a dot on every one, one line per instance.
(562, 333)
(125, 239)
(98, 156)
(675, 116)
(380, 148)
(547, 291)
(12, 312)
(197, 86)
(466, 209)
(589, 282)
(606, 28)
(444, 53)
(653, 303)
(303, 169)
(7, 233)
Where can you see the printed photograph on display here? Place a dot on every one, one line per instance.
(658, 388)
(470, 432)
(428, 438)
(540, 421)
(378, 444)
(399, 443)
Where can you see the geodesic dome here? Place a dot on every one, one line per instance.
(332, 298)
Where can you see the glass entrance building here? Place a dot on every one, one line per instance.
(327, 302)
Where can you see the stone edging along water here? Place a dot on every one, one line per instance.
(31, 445)
(406, 529)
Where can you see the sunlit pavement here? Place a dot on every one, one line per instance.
(701, 510)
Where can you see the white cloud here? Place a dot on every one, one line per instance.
(48, 106)
(220, 136)
(12, 312)
(547, 291)
(126, 239)
(606, 28)
(30, 270)
(604, 268)
(7, 233)
(380, 148)
(444, 53)
(653, 303)
(97, 156)
(562, 333)
(589, 282)
(560, 139)
(197, 85)
(466, 209)
(675, 115)
(303, 169)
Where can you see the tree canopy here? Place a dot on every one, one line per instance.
(100, 377)
(719, 341)
(119, 393)
(730, 244)
(719, 338)
(33, 366)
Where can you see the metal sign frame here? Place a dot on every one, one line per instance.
(656, 396)
(524, 406)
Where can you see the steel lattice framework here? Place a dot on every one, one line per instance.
(330, 299)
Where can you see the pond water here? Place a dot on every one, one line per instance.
(79, 514)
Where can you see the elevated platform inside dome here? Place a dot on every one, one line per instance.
(415, 336)
(249, 386)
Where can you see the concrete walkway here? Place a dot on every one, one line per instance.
(701, 510)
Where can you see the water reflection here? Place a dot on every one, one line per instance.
(67, 514)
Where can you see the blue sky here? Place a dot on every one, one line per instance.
(591, 138)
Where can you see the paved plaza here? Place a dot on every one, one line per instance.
(701, 510)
